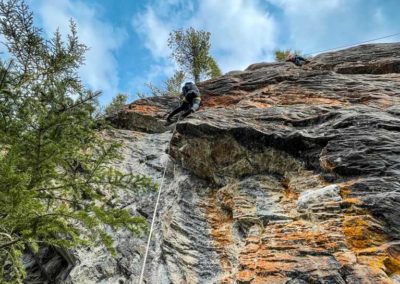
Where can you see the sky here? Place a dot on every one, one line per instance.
(128, 38)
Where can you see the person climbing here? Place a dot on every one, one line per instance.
(296, 59)
(190, 101)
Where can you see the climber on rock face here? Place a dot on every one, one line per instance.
(296, 59)
(190, 101)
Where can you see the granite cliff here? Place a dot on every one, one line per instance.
(285, 175)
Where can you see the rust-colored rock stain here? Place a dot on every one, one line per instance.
(346, 239)
(221, 101)
(338, 118)
(143, 109)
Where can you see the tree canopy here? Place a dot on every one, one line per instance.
(191, 51)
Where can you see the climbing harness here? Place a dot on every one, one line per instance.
(156, 207)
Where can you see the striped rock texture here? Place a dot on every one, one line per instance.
(285, 175)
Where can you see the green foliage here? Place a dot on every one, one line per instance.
(173, 84)
(281, 55)
(57, 187)
(190, 49)
(171, 87)
(214, 70)
(154, 91)
(116, 104)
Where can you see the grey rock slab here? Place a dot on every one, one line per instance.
(319, 196)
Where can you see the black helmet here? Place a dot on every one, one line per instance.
(188, 86)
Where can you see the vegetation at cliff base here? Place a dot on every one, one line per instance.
(57, 185)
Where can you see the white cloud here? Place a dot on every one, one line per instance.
(316, 25)
(307, 22)
(154, 32)
(241, 31)
(153, 75)
(100, 71)
(247, 31)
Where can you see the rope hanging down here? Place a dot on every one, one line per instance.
(350, 45)
(155, 209)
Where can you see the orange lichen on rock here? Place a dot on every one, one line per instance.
(361, 234)
(308, 99)
(368, 241)
(251, 251)
(298, 95)
(300, 232)
(254, 104)
(275, 279)
(221, 226)
(352, 201)
(245, 276)
(143, 109)
(289, 191)
(345, 193)
(392, 263)
(221, 101)
(383, 262)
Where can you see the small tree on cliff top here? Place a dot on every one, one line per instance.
(190, 49)
(281, 55)
(57, 187)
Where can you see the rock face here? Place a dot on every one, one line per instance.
(285, 175)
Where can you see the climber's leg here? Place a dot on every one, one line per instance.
(195, 107)
(184, 106)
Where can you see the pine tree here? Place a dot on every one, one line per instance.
(171, 86)
(116, 104)
(57, 187)
(214, 70)
(190, 49)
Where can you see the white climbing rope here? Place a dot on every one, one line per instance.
(155, 209)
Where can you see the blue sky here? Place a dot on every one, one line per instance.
(127, 38)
